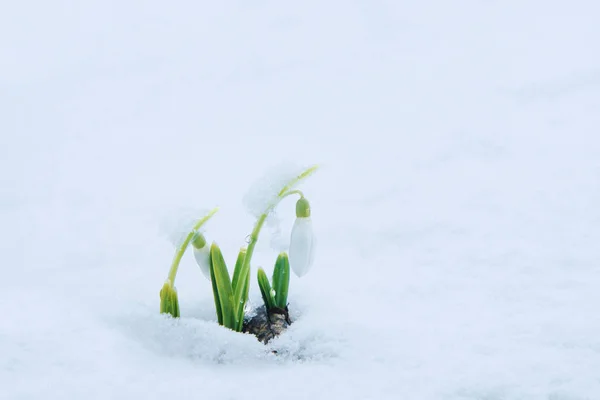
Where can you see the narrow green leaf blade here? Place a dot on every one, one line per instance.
(240, 294)
(223, 286)
(242, 304)
(281, 280)
(238, 267)
(215, 289)
(265, 289)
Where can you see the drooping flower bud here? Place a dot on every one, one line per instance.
(169, 303)
(302, 242)
(202, 254)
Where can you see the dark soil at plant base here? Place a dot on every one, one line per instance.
(267, 325)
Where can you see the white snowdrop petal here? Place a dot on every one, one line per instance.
(301, 252)
(202, 257)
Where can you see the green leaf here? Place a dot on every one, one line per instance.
(281, 280)
(265, 289)
(238, 267)
(169, 304)
(215, 289)
(242, 303)
(240, 290)
(222, 286)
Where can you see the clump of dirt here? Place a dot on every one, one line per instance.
(267, 325)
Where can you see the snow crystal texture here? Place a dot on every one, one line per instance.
(456, 211)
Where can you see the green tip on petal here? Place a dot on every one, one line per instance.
(302, 208)
(199, 241)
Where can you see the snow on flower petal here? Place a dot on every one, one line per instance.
(264, 192)
(177, 224)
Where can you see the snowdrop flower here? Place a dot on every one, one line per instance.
(302, 242)
(202, 254)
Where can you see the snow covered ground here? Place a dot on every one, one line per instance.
(456, 207)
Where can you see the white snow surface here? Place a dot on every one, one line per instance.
(457, 206)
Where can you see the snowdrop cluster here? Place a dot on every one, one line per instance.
(231, 292)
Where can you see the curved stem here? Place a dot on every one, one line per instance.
(297, 179)
(181, 249)
(283, 193)
(253, 241)
(291, 192)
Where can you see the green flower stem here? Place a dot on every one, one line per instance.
(283, 193)
(297, 179)
(291, 192)
(254, 239)
(181, 249)
(244, 272)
